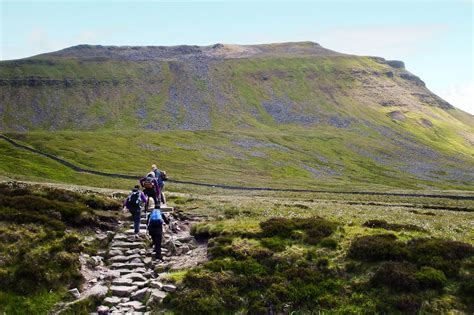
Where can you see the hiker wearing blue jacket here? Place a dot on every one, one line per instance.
(132, 203)
(155, 229)
(161, 182)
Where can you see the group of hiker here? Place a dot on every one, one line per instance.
(152, 185)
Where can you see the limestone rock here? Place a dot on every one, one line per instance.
(103, 310)
(135, 276)
(139, 294)
(156, 296)
(98, 291)
(123, 281)
(169, 288)
(112, 300)
(122, 290)
(75, 293)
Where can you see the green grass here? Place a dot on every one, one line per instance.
(279, 159)
(41, 238)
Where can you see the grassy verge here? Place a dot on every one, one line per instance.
(41, 237)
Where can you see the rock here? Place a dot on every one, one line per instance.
(137, 306)
(112, 300)
(98, 291)
(395, 63)
(137, 260)
(135, 276)
(123, 282)
(118, 258)
(122, 290)
(169, 288)
(185, 239)
(139, 295)
(133, 251)
(141, 284)
(75, 293)
(95, 261)
(110, 234)
(156, 285)
(412, 77)
(103, 310)
(101, 237)
(156, 297)
(115, 252)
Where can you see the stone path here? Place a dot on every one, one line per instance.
(138, 282)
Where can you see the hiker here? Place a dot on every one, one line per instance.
(132, 203)
(155, 229)
(151, 189)
(160, 177)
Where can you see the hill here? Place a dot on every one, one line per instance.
(291, 114)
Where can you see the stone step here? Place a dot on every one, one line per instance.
(135, 305)
(142, 226)
(123, 282)
(135, 276)
(130, 265)
(124, 258)
(126, 245)
(123, 291)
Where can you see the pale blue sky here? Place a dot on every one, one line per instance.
(433, 38)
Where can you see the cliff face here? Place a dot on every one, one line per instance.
(193, 88)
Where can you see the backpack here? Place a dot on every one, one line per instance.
(133, 201)
(155, 217)
(148, 183)
(163, 175)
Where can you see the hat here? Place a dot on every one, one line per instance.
(151, 174)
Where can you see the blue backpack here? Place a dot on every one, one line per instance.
(155, 217)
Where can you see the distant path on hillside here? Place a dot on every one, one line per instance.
(135, 177)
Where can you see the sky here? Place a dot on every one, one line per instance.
(433, 38)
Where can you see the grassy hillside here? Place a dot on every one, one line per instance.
(331, 158)
(279, 115)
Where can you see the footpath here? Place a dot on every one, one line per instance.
(127, 278)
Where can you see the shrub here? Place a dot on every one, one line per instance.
(445, 255)
(328, 243)
(407, 303)
(430, 278)
(466, 286)
(397, 276)
(381, 224)
(377, 248)
(276, 244)
(281, 227)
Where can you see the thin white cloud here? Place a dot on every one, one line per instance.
(460, 96)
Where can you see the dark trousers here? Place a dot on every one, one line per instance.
(162, 197)
(156, 238)
(136, 221)
(151, 193)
